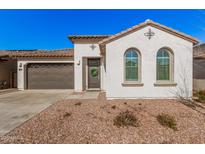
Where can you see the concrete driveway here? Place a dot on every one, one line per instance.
(18, 107)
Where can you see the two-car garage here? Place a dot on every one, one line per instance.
(50, 76)
(45, 69)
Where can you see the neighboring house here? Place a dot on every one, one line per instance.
(199, 67)
(148, 60)
(8, 71)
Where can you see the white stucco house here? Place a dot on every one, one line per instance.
(148, 60)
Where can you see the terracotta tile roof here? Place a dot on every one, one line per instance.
(39, 53)
(93, 38)
(141, 25)
(3, 54)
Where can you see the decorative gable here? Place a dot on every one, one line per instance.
(148, 34)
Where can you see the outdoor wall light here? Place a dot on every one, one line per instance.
(78, 62)
(20, 67)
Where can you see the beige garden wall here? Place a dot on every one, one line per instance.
(199, 84)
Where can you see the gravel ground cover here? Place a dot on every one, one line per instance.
(92, 121)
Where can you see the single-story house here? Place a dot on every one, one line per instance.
(199, 67)
(148, 60)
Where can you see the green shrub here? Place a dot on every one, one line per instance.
(126, 119)
(167, 121)
(201, 95)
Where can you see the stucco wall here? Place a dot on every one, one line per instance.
(84, 50)
(21, 71)
(148, 48)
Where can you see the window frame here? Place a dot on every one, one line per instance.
(171, 66)
(136, 82)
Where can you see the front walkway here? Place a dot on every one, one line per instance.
(83, 95)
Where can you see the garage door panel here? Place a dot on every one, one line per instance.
(50, 76)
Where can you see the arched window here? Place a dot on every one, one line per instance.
(132, 65)
(164, 65)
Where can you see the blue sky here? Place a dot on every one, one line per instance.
(48, 29)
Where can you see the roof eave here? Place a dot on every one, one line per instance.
(36, 56)
(149, 23)
(4, 56)
(87, 38)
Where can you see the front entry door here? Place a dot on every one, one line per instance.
(94, 73)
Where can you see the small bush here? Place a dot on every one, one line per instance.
(125, 103)
(166, 142)
(67, 114)
(126, 119)
(201, 92)
(167, 120)
(58, 110)
(78, 104)
(201, 95)
(113, 107)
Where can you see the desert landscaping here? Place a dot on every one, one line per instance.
(114, 121)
